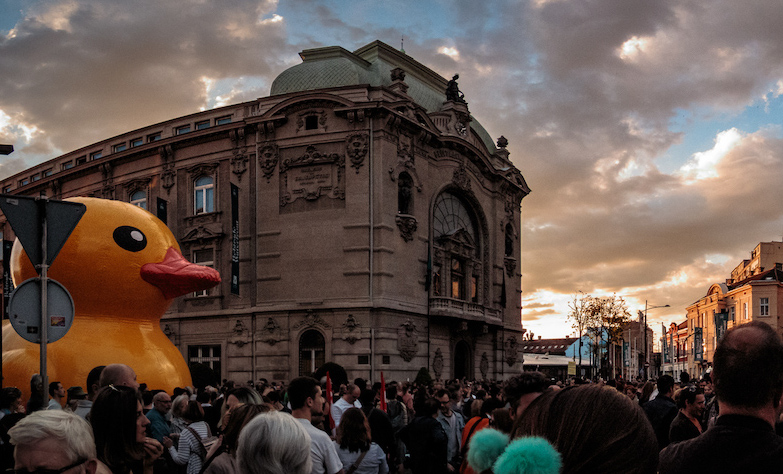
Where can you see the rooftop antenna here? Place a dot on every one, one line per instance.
(402, 45)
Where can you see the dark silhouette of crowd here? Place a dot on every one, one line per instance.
(724, 422)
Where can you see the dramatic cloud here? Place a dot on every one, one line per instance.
(649, 131)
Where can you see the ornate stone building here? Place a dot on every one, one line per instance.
(359, 214)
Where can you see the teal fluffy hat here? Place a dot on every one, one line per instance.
(490, 449)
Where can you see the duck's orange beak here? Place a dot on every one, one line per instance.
(175, 276)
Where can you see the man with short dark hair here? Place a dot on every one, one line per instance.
(307, 401)
(520, 391)
(662, 410)
(748, 380)
(453, 423)
(57, 392)
(426, 440)
(687, 423)
(83, 407)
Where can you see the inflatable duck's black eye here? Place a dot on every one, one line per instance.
(130, 238)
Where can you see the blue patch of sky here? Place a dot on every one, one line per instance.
(701, 126)
(10, 14)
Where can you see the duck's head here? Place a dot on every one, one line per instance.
(120, 259)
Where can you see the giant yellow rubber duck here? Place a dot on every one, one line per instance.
(122, 267)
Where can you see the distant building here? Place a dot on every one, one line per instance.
(358, 214)
(754, 291)
(552, 356)
(633, 341)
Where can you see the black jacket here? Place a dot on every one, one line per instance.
(427, 444)
(661, 412)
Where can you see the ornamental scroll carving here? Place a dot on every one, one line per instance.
(356, 147)
(407, 340)
(240, 334)
(511, 348)
(271, 332)
(437, 363)
(351, 330)
(484, 365)
(268, 157)
(407, 225)
(311, 320)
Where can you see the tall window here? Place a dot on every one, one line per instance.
(732, 310)
(312, 352)
(207, 355)
(764, 307)
(509, 241)
(139, 198)
(457, 279)
(745, 311)
(205, 258)
(204, 195)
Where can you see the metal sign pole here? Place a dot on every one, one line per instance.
(44, 294)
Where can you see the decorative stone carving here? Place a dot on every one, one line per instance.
(239, 160)
(311, 320)
(137, 185)
(437, 363)
(511, 348)
(484, 365)
(407, 225)
(511, 265)
(407, 340)
(311, 176)
(397, 74)
(351, 332)
(461, 178)
(300, 119)
(240, 334)
(502, 142)
(356, 147)
(271, 332)
(452, 90)
(268, 157)
(203, 233)
(107, 189)
(203, 169)
(168, 177)
(169, 332)
(239, 165)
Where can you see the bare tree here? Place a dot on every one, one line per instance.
(581, 317)
(609, 315)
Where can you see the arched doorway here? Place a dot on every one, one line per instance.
(463, 361)
(312, 352)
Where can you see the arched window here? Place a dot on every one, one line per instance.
(312, 352)
(456, 236)
(204, 195)
(509, 241)
(405, 194)
(139, 198)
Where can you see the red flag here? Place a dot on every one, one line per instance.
(383, 393)
(329, 400)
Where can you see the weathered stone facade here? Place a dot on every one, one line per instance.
(378, 224)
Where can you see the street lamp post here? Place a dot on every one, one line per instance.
(644, 328)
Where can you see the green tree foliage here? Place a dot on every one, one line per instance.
(423, 378)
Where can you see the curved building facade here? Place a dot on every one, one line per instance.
(359, 214)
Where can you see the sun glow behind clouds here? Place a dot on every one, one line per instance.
(451, 52)
(631, 49)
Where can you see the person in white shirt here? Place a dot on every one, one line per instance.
(307, 402)
(345, 402)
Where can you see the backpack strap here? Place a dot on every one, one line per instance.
(202, 451)
(355, 465)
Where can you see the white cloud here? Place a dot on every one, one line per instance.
(704, 164)
(451, 52)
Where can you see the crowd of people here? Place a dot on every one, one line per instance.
(725, 422)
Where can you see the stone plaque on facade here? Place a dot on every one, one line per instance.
(312, 176)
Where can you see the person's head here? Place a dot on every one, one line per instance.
(304, 392)
(274, 443)
(352, 393)
(666, 385)
(521, 390)
(647, 389)
(240, 417)
(583, 423)
(691, 401)
(630, 391)
(444, 401)
(118, 375)
(748, 366)
(94, 382)
(193, 412)
(161, 401)
(391, 392)
(430, 407)
(56, 389)
(119, 426)
(367, 398)
(76, 393)
(501, 421)
(353, 433)
(10, 399)
(53, 440)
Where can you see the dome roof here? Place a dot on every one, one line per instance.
(334, 66)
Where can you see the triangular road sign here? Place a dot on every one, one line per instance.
(25, 214)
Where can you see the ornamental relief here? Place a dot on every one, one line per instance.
(351, 330)
(407, 340)
(511, 348)
(437, 363)
(311, 176)
(312, 320)
(356, 147)
(240, 334)
(268, 157)
(271, 333)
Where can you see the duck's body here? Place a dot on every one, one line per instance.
(122, 267)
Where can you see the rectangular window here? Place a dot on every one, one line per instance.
(81, 160)
(223, 120)
(67, 165)
(208, 355)
(457, 279)
(202, 125)
(119, 147)
(745, 311)
(311, 122)
(6, 189)
(136, 142)
(474, 289)
(182, 130)
(24, 182)
(204, 200)
(763, 306)
(364, 360)
(205, 258)
(95, 155)
(35, 177)
(153, 137)
(732, 311)
(386, 360)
